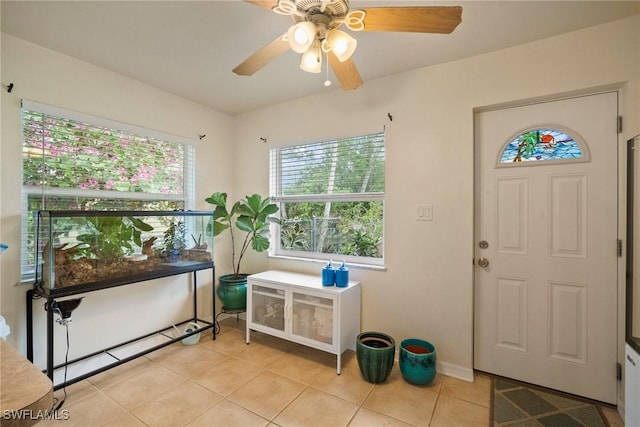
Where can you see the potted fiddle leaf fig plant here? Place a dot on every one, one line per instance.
(248, 220)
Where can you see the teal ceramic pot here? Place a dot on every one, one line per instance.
(375, 352)
(417, 361)
(233, 292)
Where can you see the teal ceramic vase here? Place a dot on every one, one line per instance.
(375, 352)
(233, 292)
(417, 361)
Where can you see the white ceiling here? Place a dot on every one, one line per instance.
(189, 47)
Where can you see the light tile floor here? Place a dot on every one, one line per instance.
(270, 382)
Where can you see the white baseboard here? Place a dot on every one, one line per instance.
(455, 371)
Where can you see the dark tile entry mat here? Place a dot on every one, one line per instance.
(517, 404)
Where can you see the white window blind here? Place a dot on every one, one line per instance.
(75, 161)
(331, 197)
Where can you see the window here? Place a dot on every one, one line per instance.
(542, 145)
(331, 199)
(72, 161)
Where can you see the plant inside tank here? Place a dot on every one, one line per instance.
(174, 238)
(110, 238)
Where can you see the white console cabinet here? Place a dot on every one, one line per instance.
(296, 307)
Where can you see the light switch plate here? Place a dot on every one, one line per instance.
(424, 212)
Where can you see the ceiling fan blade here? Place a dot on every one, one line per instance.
(415, 19)
(346, 72)
(262, 57)
(267, 4)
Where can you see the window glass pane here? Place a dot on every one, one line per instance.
(72, 164)
(539, 145)
(344, 228)
(331, 198)
(354, 165)
(61, 153)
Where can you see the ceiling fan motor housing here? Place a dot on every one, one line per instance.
(331, 16)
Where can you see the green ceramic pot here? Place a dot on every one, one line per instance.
(417, 361)
(375, 352)
(233, 292)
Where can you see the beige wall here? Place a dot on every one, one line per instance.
(51, 78)
(427, 288)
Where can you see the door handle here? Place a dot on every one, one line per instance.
(483, 262)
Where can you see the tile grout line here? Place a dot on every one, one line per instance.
(288, 404)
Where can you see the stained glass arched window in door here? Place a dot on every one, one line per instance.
(542, 144)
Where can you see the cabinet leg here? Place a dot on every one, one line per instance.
(339, 363)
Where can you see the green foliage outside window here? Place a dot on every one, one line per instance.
(336, 191)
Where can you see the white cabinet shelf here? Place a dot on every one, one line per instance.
(311, 303)
(268, 294)
(296, 307)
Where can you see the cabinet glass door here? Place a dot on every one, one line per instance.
(312, 317)
(267, 305)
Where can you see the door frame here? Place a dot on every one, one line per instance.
(621, 207)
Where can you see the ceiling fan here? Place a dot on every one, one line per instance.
(316, 32)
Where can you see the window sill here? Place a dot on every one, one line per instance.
(353, 265)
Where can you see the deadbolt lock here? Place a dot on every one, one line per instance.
(483, 262)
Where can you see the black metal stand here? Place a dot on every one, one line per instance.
(225, 311)
(37, 293)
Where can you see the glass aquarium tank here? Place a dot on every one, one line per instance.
(78, 251)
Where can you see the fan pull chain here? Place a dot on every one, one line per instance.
(327, 82)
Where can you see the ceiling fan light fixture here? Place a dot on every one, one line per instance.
(301, 36)
(341, 43)
(312, 59)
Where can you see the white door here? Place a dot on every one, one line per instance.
(546, 234)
